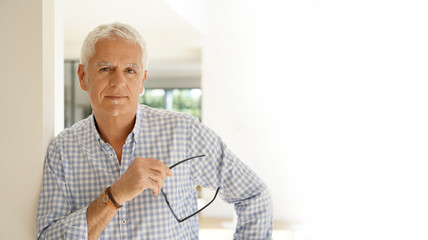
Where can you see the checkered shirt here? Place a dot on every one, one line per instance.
(79, 165)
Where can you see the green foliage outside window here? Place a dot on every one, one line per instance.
(178, 100)
(154, 98)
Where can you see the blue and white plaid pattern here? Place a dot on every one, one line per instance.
(79, 166)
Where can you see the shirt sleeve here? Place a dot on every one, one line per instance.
(56, 218)
(239, 185)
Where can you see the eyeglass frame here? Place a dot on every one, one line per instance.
(166, 198)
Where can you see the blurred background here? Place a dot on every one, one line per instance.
(326, 100)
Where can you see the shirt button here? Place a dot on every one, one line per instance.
(124, 221)
(111, 155)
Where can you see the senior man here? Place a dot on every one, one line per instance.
(108, 176)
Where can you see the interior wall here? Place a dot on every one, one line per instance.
(244, 106)
(27, 110)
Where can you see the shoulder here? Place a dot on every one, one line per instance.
(67, 143)
(73, 133)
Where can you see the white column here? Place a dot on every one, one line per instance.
(27, 110)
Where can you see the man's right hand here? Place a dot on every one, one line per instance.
(143, 173)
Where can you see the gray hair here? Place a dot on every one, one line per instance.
(117, 31)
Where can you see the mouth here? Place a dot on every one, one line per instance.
(115, 97)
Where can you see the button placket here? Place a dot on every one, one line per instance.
(123, 214)
(123, 223)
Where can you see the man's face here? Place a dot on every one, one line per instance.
(114, 77)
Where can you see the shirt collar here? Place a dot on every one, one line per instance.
(94, 129)
(138, 119)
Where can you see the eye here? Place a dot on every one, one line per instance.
(105, 69)
(132, 71)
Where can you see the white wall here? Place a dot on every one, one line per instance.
(327, 101)
(244, 101)
(27, 110)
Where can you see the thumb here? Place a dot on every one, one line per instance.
(168, 171)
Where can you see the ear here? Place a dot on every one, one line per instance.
(143, 81)
(81, 73)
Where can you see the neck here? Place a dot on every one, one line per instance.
(114, 129)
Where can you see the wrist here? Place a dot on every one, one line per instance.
(116, 195)
(107, 200)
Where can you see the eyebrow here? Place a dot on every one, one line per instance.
(107, 64)
(133, 65)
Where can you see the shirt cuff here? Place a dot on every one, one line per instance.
(76, 226)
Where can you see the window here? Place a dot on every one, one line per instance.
(177, 100)
(76, 101)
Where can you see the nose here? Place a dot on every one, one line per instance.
(117, 79)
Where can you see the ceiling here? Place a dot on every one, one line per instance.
(170, 38)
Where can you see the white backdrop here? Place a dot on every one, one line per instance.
(327, 101)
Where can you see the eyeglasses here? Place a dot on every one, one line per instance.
(166, 199)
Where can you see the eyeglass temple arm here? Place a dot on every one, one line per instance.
(184, 219)
(185, 160)
(167, 203)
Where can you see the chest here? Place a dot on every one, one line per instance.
(90, 168)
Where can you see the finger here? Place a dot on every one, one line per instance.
(154, 186)
(158, 176)
(159, 182)
(164, 169)
(159, 173)
(157, 165)
(168, 171)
